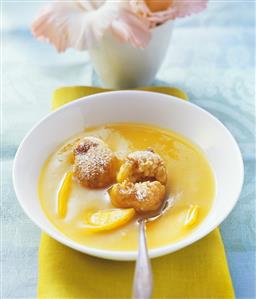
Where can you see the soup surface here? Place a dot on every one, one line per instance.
(190, 183)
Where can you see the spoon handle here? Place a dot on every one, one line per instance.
(142, 284)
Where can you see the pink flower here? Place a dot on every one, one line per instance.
(151, 9)
(81, 24)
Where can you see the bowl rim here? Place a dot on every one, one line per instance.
(118, 254)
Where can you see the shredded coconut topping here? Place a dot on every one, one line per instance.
(94, 162)
(141, 192)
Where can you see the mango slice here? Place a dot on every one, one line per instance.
(63, 194)
(191, 215)
(123, 173)
(108, 219)
(71, 158)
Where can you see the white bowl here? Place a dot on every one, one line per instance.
(130, 106)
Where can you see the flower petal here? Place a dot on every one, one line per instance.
(74, 24)
(177, 9)
(128, 27)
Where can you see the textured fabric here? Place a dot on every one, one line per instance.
(64, 95)
(199, 271)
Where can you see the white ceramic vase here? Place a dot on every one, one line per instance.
(120, 66)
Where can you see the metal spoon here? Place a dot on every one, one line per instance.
(143, 281)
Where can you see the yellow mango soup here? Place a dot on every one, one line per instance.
(190, 183)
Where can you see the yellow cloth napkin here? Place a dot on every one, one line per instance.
(198, 271)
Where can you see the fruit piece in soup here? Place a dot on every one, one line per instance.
(63, 194)
(191, 215)
(143, 196)
(109, 219)
(94, 163)
(141, 166)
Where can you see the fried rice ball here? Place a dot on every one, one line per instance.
(142, 196)
(95, 165)
(141, 166)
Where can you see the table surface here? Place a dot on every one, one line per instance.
(211, 57)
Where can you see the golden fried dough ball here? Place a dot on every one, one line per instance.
(143, 197)
(143, 166)
(94, 163)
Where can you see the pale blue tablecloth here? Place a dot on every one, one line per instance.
(211, 57)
